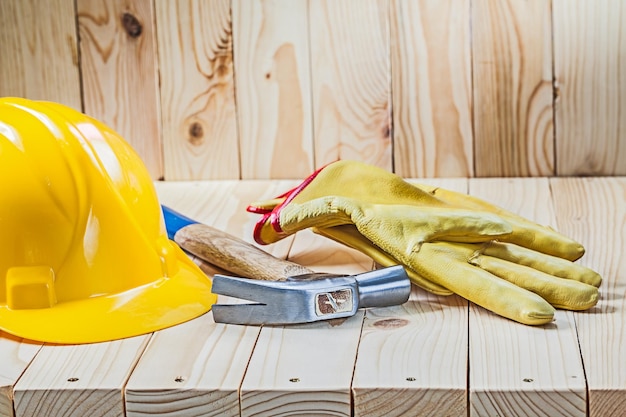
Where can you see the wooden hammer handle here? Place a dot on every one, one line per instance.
(235, 255)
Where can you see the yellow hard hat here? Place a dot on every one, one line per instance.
(84, 252)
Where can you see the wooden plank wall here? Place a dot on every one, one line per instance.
(252, 89)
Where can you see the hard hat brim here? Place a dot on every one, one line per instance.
(145, 309)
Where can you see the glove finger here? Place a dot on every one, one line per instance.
(525, 232)
(348, 235)
(446, 264)
(378, 222)
(429, 224)
(266, 206)
(543, 239)
(551, 265)
(561, 293)
(387, 225)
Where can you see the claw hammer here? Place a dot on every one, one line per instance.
(283, 292)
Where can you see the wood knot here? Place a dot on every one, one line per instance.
(132, 26)
(222, 70)
(386, 131)
(391, 323)
(196, 133)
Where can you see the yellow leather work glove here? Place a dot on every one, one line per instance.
(448, 242)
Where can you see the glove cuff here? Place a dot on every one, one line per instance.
(268, 229)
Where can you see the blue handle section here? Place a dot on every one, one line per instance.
(174, 221)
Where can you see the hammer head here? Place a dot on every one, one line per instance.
(308, 298)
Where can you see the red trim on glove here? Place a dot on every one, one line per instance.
(274, 215)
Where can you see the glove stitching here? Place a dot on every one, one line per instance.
(473, 259)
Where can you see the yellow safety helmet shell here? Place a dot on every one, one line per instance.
(84, 252)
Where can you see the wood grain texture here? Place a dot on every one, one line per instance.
(273, 88)
(307, 369)
(307, 375)
(431, 88)
(535, 88)
(589, 62)
(206, 364)
(350, 69)
(120, 74)
(15, 354)
(516, 369)
(78, 380)
(302, 370)
(197, 89)
(39, 56)
(412, 359)
(593, 211)
(513, 92)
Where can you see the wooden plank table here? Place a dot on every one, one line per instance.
(433, 356)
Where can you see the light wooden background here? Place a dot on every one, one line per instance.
(247, 89)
